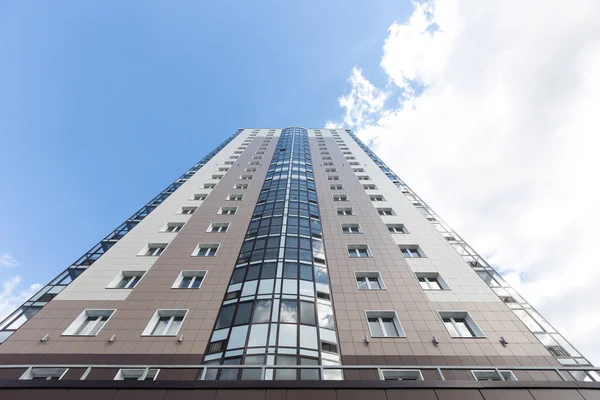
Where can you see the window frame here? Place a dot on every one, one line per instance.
(159, 248)
(152, 324)
(187, 273)
(409, 372)
(437, 277)
(121, 276)
(396, 226)
(472, 326)
(219, 225)
(350, 226)
(120, 376)
(36, 372)
(380, 314)
(344, 211)
(77, 325)
(342, 197)
(187, 210)
(358, 246)
(165, 229)
(502, 374)
(367, 275)
(234, 197)
(409, 248)
(209, 246)
(227, 209)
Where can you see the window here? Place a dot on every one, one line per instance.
(369, 280)
(187, 210)
(218, 227)
(330, 170)
(431, 281)
(246, 177)
(228, 210)
(385, 211)
(240, 186)
(363, 178)
(233, 157)
(126, 280)
(401, 375)
(396, 228)
(199, 196)
(340, 197)
(235, 197)
(173, 227)
(358, 251)
(217, 177)
(354, 163)
(333, 178)
(344, 211)
(137, 374)
(336, 186)
(153, 249)
(377, 197)
(411, 251)
(384, 324)
(89, 323)
(351, 228)
(228, 162)
(206, 250)
(328, 163)
(165, 323)
(189, 280)
(250, 169)
(460, 324)
(44, 374)
(369, 187)
(492, 375)
(209, 185)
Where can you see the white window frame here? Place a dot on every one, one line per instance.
(345, 211)
(226, 210)
(395, 227)
(93, 314)
(369, 187)
(340, 197)
(172, 313)
(433, 281)
(376, 197)
(412, 250)
(195, 274)
(489, 374)
(220, 226)
(368, 275)
(126, 275)
(350, 227)
(133, 372)
(159, 249)
(197, 197)
(177, 227)
(241, 186)
(380, 314)
(469, 321)
(403, 374)
(47, 373)
(187, 210)
(209, 186)
(385, 211)
(246, 177)
(210, 246)
(234, 197)
(355, 249)
(333, 178)
(336, 186)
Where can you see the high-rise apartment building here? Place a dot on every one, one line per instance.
(288, 262)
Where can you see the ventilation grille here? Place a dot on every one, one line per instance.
(217, 346)
(324, 296)
(558, 351)
(329, 347)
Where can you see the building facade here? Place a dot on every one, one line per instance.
(287, 261)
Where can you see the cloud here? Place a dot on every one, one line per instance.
(490, 114)
(12, 295)
(7, 261)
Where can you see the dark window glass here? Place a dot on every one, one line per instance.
(253, 271)
(307, 313)
(290, 270)
(225, 316)
(306, 272)
(238, 275)
(269, 270)
(243, 313)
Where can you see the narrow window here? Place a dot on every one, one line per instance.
(136, 374)
(344, 211)
(126, 280)
(385, 211)
(431, 281)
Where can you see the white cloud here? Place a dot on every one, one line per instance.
(7, 261)
(12, 295)
(492, 121)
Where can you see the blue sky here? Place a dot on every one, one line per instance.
(103, 104)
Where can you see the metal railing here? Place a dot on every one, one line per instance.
(339, 372)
